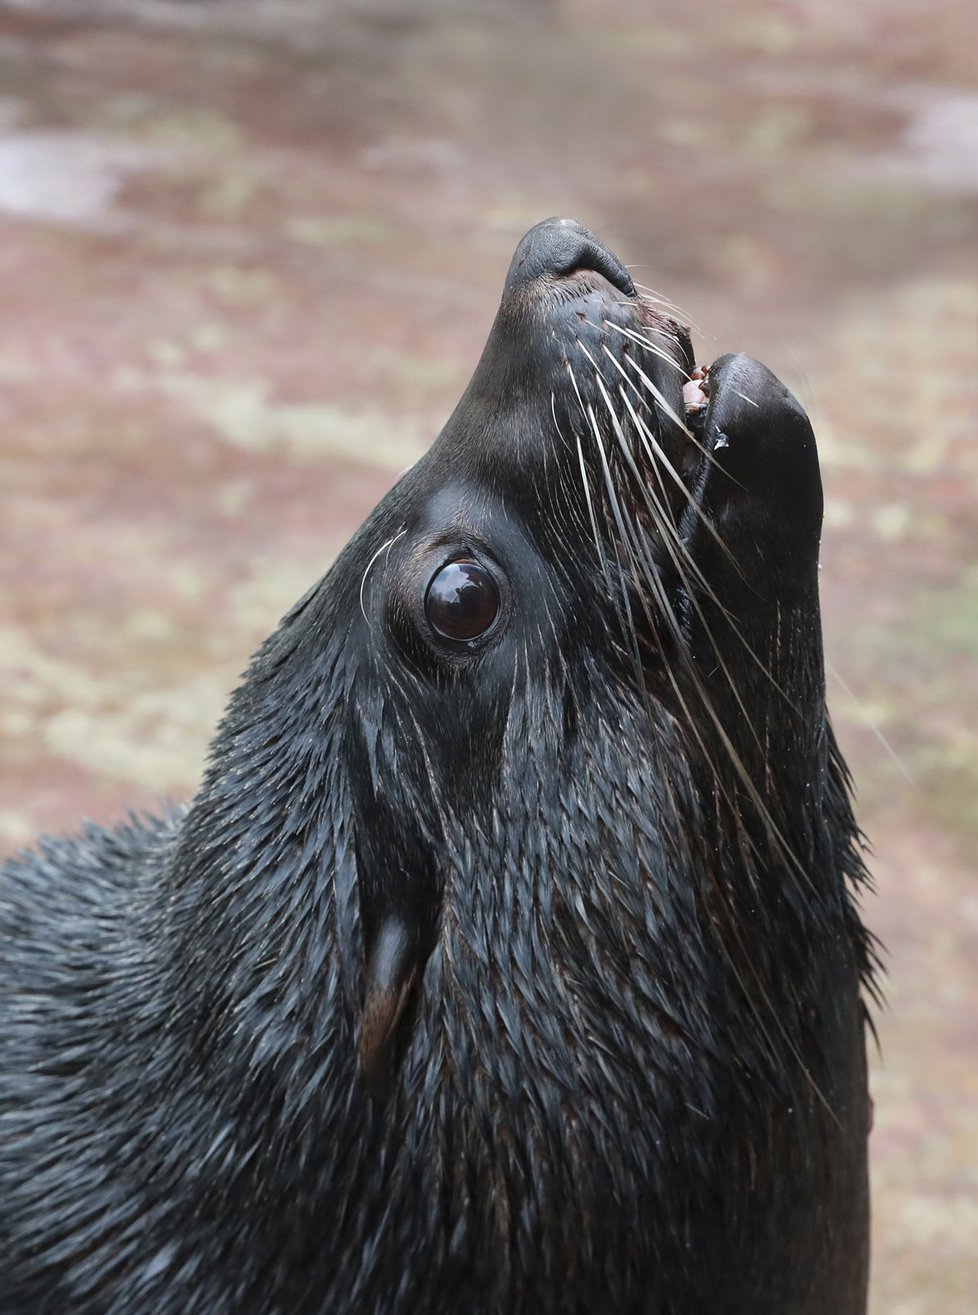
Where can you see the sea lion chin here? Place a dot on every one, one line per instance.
(508, 957)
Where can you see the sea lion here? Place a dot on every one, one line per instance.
(508, 958)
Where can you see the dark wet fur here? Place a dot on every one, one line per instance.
(605, 861)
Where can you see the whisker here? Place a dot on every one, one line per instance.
(661, 402)
(873, 727)
(666, 534)
(599, 546)
(625, 621)
(363, 579)
(678, 554)
(649, 587)
(652, 580)
(704, 452)
(649, 346)
(658, 511)
(660, 459)
(659, 299)
(671, 538)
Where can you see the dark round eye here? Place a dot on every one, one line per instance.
(462, 601)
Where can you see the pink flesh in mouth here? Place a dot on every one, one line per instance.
(696, 392)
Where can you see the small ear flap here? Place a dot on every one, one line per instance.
(391, 974)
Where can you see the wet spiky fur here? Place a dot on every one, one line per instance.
(629, 1075)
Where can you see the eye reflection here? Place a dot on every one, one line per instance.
(462, 601)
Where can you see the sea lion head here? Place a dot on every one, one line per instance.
(524, 838)
(591, 592)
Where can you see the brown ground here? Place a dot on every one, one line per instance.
(248, 257)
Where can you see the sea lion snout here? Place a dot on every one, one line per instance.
(559, 248)
(573, 345)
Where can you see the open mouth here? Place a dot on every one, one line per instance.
(696, 397)
(664, 400)
(696, 385)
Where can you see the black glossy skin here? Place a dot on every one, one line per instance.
(518, 975)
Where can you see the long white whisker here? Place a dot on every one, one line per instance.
(644, 572)
(363, 579)
(874, 728)
(649, 346)
(657, 394)
(676, 549)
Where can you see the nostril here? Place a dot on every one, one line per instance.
(562, 247)
(599, 258)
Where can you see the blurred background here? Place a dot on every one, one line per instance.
(249, 253)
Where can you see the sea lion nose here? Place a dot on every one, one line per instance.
(561, 247)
